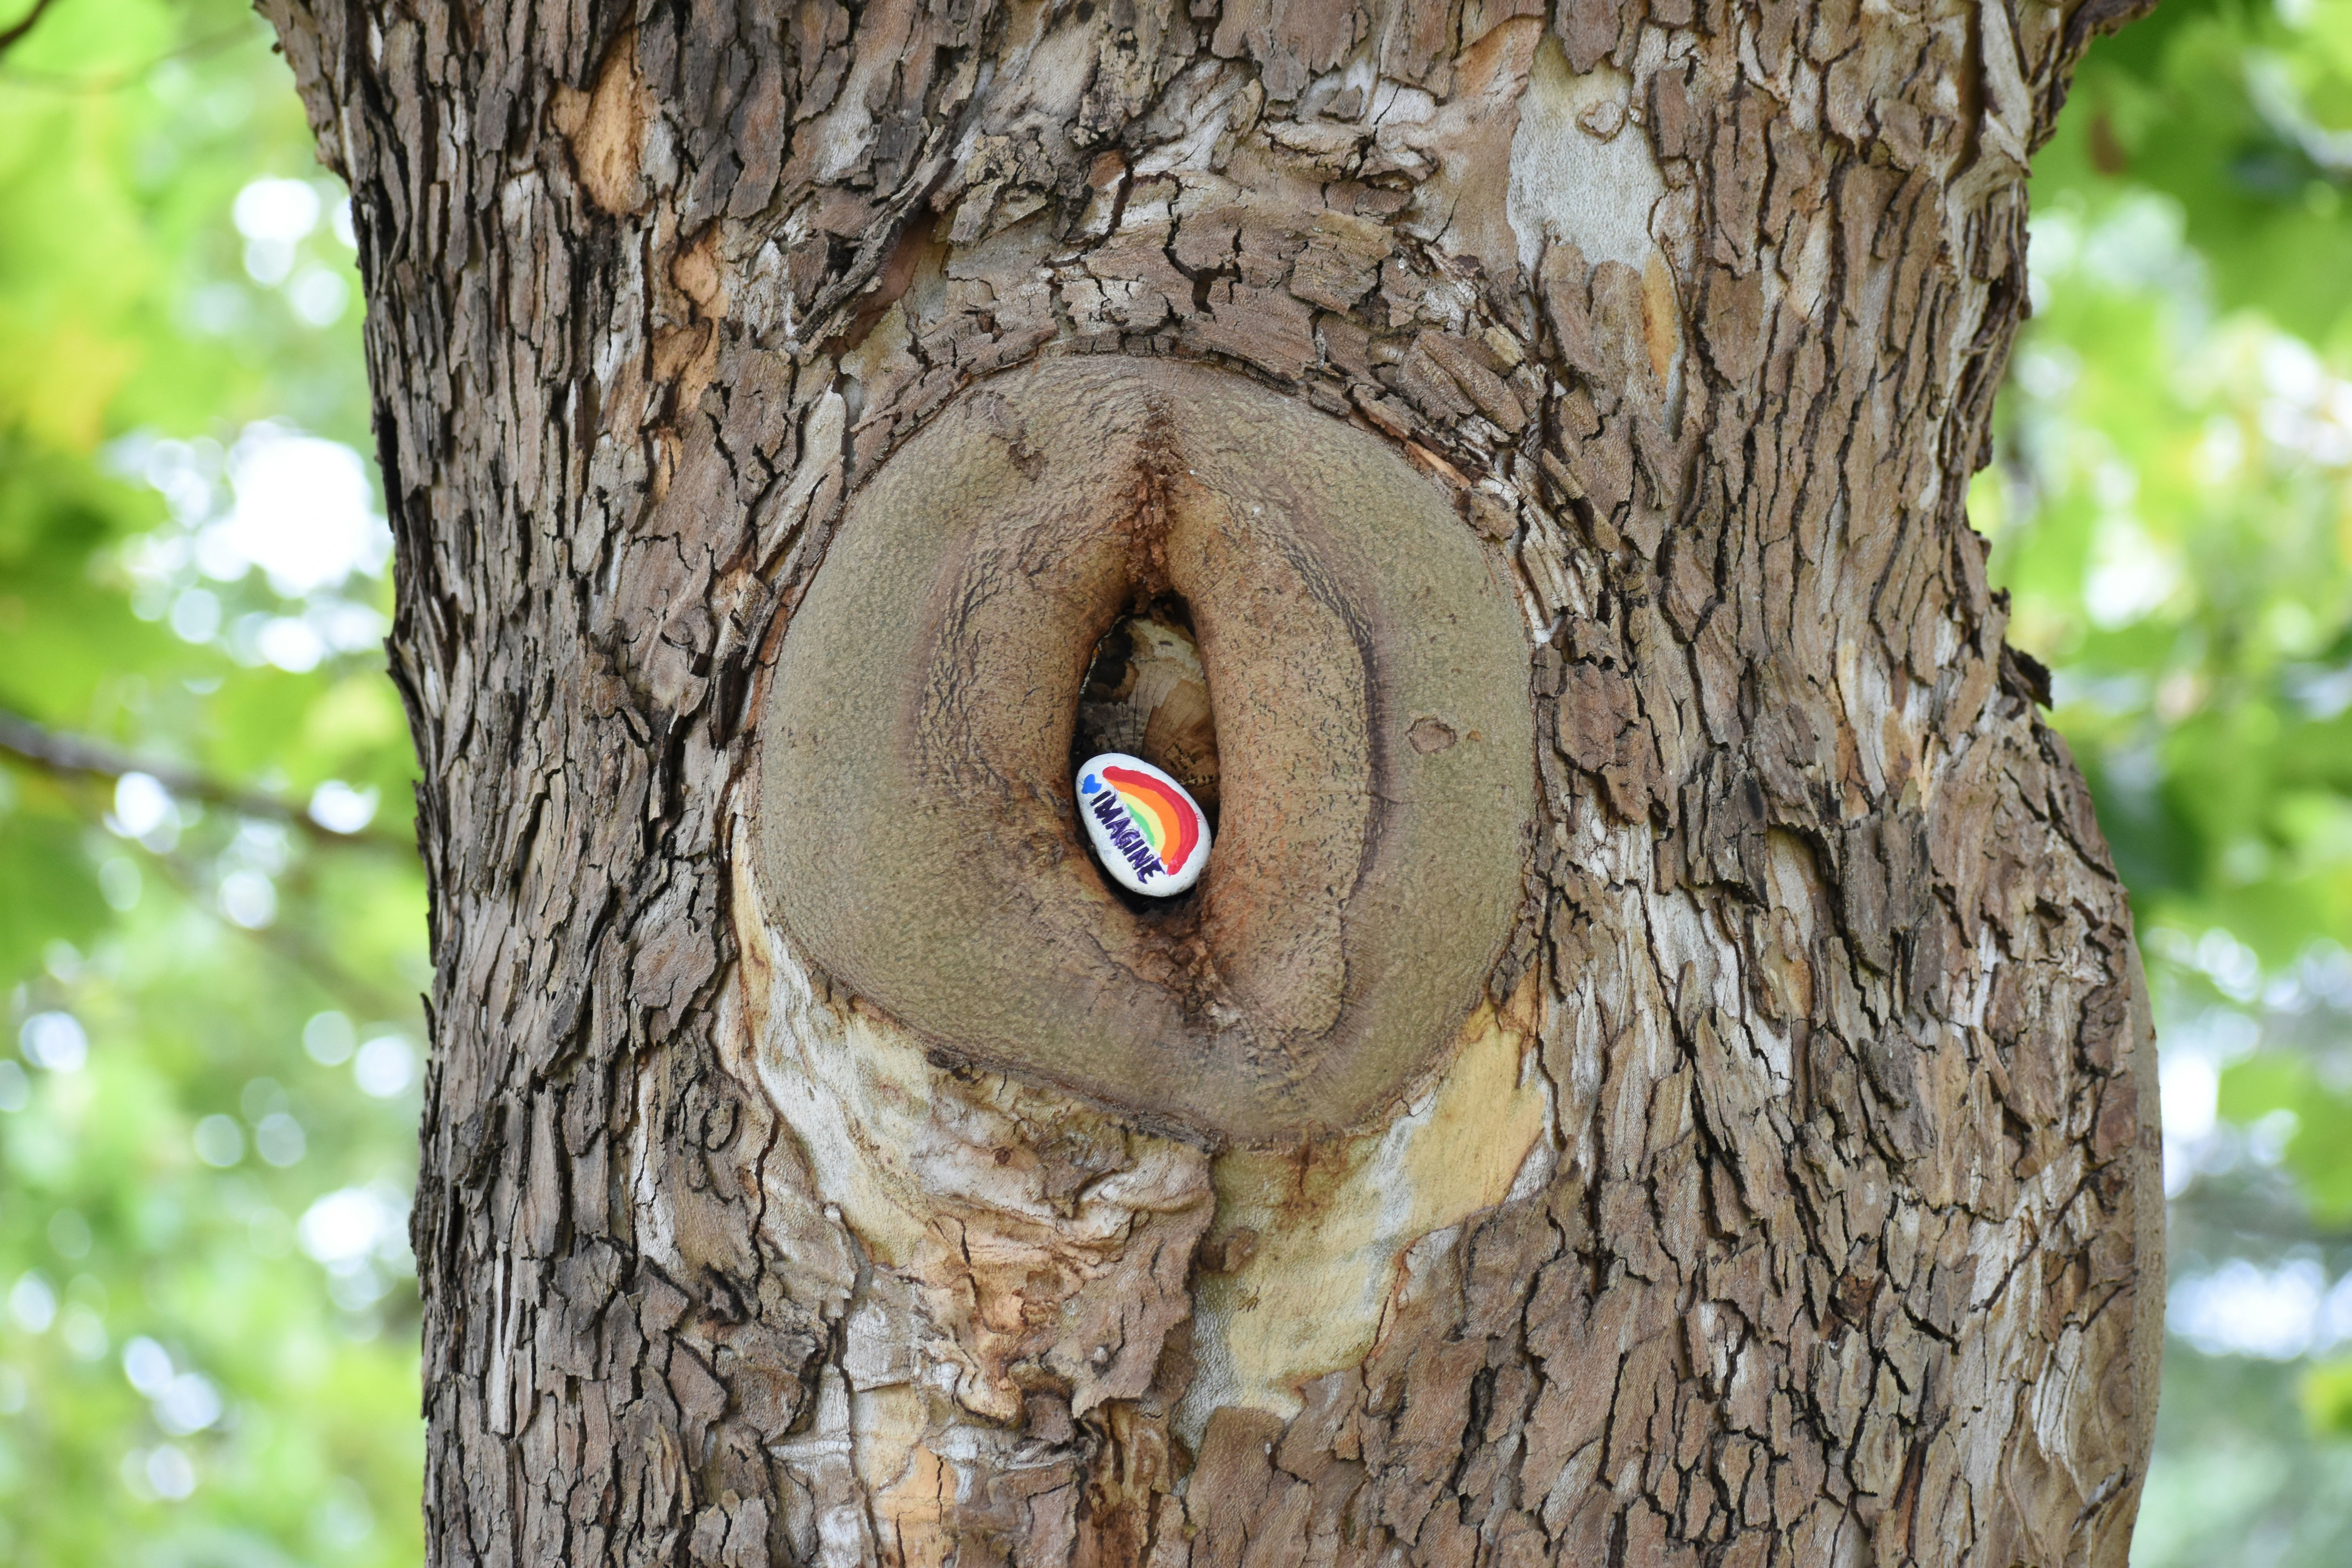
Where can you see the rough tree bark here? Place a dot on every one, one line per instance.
(1787, 1193)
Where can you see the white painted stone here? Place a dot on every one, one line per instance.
(1139, 821)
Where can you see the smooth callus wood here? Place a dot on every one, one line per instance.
(1369, 679)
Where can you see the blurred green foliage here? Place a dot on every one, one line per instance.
(208, 1317)
(2170, 508)
(2178, 434)
(208, 1119)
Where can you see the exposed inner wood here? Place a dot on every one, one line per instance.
(992, 1235)
(1147, 694)
(1020, 1250)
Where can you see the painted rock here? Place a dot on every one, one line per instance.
(1147, 830)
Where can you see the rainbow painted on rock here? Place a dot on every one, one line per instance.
(1146, 827)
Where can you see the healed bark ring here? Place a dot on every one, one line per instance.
(1369, 673)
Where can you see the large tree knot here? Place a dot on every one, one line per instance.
(1374, 738)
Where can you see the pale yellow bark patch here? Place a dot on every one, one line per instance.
(699, 272)
(606, 127)
(1662, 323)
(1312, 1238)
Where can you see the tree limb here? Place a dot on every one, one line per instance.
(297, 948)
(57, 752)
(9, 39)
(77, 755)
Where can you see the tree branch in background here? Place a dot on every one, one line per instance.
(115, 81)
(79, 756)
(57, 752)
(297, 948)
(9, 39)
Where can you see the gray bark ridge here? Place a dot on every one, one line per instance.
(1838, 1239)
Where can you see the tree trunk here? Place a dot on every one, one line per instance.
(1656, 1072)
